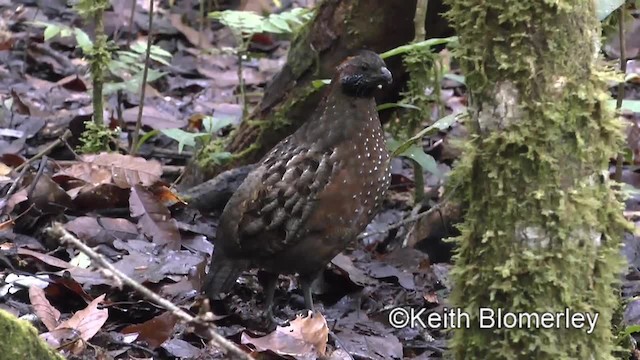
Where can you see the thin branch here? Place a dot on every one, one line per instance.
(99, 261)
(17, 181)
(47, 150)
(408, 220)
(143, 85)
(34, 183)
(132, 14)
(98, 65)
(419, 20)
(414, 212)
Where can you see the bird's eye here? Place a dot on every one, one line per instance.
(364, 67)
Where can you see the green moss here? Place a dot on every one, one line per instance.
(208, 152)
(20, 340)
(542, 229)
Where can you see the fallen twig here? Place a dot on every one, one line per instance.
(233, 351)
(407, 220)
(46, 151)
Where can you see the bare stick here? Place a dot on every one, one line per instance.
(419, 19)
(46, 150)
(143, 86)
(406, 221)
(98, 260)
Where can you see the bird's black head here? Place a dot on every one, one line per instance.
(360, 75)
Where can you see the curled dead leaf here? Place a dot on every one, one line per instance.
(304, 338)
(43, 308)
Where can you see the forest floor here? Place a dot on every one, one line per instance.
(149, 235)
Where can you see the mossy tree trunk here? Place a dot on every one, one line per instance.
(542, 226)
(339, 28)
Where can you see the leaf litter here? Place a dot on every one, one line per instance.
(121, 206)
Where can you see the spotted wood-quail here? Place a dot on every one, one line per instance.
(313, 193)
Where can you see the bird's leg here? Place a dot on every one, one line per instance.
(269, 292)
(306, 283)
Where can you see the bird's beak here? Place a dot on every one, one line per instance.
(386, 75)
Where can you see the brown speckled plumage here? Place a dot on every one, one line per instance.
(312, 193)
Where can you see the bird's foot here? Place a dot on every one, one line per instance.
(304, 313)
(272, 321)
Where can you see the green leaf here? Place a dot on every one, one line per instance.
(279, 23)
(426, 161)
(51, 31)
(83, 40)
(631, 329)
(159, 59)
(139, 47)
(630, 190)
(397, 105)
(146, 137)
(627, 154)
(157, 50)
(455, 77)
(427, 43)
(445, 122)
(243, 21)
(270, 28)
(152, 75)
(440, 124)
(182, 137)
(605, 7)
(248, 23)
(213, 124)
(317, 84)
(65, 31)
(220, 157)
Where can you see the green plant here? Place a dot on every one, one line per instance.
(245, 24)
(97, 137)
(128, 65)
(211, 125)
(422, 93)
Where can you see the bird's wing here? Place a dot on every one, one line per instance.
(279, 196)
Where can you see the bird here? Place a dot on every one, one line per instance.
(313, 193)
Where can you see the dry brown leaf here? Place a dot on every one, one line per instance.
(152, 117)
(155, 331)
(47, 259)
(15, 199)
(4, 169)
(155, 218)
(87, 321)
(128, 170)
(431, 298)
(192, 35)
(43, 308)
(305, 338)
(93, 231)
(121, 170)
(18, 106)
(58, 338)
(47, 196)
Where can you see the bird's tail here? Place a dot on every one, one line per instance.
(222, 275)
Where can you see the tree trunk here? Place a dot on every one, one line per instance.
(339, 28)
(542, 227)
